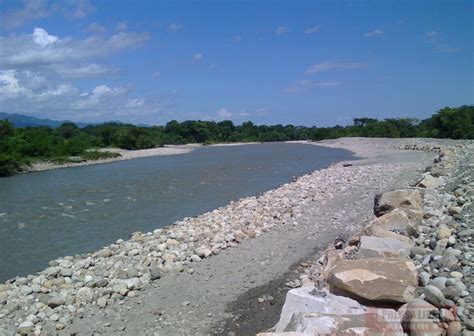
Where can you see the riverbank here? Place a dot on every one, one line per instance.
(224, 261)
(124, 155)
(409, 271)
(359, 149)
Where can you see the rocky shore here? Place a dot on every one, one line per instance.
(409, 271)
(108, 290)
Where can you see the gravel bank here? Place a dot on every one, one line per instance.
(409, 271)
(192, 277)
(125, 155)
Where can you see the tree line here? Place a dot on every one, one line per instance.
(19, 147)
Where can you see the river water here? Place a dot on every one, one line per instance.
(60, 212)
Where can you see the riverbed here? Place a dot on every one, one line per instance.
(60, 212)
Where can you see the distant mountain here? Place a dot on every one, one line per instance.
(20, 120)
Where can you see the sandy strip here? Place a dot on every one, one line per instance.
(125, 155)
(234, 144)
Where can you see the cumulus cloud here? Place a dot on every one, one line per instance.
(174, 27)
(374, 33)
(307, 85)
(334, 65)
(312, 30)
(19, 91)
(41, 37)
(38, 70)
(197, 57)
(281, 30)
(223, 113)
(30, 10)
(43, 49)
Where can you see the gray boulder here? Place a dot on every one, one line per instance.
(373, 247)
(407, 199)
(310, 300)
(369, 323)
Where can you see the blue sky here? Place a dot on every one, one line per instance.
(300, 62)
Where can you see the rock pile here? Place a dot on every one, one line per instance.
(409, 271)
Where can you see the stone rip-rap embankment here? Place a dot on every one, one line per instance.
(410, 271)
(84, 287)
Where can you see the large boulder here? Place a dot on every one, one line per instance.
(407, 199)
(430, 182)
(377, 281)
(396, 220)
(379, 231)
(368, 323)
(310, 300)
(331, 258)
(373, 247)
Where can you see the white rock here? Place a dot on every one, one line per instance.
(301, 300)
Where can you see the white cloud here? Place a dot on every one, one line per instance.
(312, 30)
(374, 33)
(307, 85)
(438, 42)
(63, 101)
(81, 9)
(223, 113)
(121, 26)
(42, 49)
(281, 30)
(90, 70)
(197, 57)
(156, 75)
(95, 28)
(41, 37)
(30, 10)
(174, 27)
(334, 65)
(135, 103)
(9, 85)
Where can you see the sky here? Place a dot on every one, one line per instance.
(272, 62)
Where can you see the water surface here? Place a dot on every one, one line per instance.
(60, 212)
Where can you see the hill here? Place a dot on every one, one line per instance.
(20, 120)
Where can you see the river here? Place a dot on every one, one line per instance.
(60, 212)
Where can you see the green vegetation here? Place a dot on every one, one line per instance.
(21, 146)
